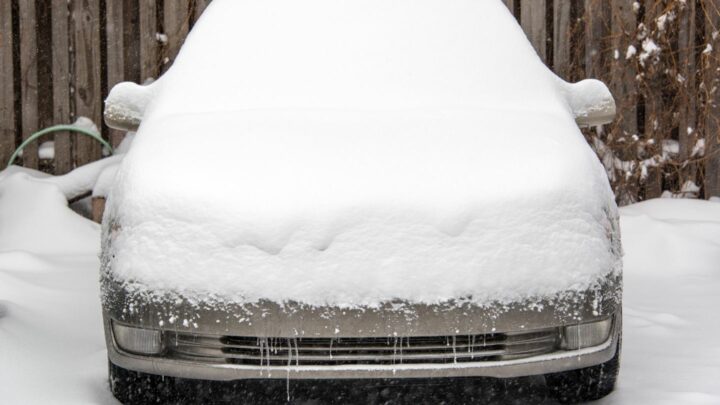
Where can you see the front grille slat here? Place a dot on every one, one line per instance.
(262, 351)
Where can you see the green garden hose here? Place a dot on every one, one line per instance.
(57, 128)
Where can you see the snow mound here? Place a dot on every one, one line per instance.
(34, 217)
(681, 234)
(672, 275)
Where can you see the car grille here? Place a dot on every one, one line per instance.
(262, 351)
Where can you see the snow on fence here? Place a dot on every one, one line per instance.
(661, 58)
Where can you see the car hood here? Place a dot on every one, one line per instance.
(360, 208)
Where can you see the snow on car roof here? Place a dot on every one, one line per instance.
(356, 55)
(354, 152)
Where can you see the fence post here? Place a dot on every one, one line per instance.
(624, 87)
(711, 80)
(147, 11)
(686, 57)
(7, 80)
(60, 15)
(88, 97)
(200, 6)
(562, 38)
(532, 19)
(115, 51)
(176, 22)
(29, 79)
(655, 122)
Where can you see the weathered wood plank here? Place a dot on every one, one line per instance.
(711, 72)
(88, 97)
(596, 34)
(7, 79)
(97, 208)
(687, 113)
(29, 79)
(655, 117)
(532, 19)
(149, 46)
(623, 71)
(115, 51)
(176, 23)
(61, 83)
(201, 5)
(510, 4)
(562, 38)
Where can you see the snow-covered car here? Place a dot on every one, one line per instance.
(371, 190)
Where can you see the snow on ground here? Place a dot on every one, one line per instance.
(51, 339)
(671, 349)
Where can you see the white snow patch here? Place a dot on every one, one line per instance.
(671, 277)
(46, 150)
(631, 51)
(650, 50)
(698, 149)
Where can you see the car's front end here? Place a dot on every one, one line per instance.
(390, 214)
(197, 340)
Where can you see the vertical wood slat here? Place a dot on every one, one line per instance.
(711, 71)
(562, 38)
(148, 40)
(115, 51)
(510, 4)
(29, 79)
(7, 91)
(686, 58)
(61, 83)
(88, 97)
(623, 70)
(201, 5)
(176, 21)
(654, 109)
(596, 32)
(532, 19)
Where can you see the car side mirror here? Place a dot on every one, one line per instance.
(126, 104)
(591, 102)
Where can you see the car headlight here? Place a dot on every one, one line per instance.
(585, 334)
(138, 340)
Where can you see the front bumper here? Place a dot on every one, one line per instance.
(177, 316)
(541, 364)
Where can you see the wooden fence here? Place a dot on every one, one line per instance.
(58, 58)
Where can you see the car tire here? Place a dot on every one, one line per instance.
(585, 384)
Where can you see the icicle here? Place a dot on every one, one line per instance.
(472, 346)
(454, 345)
(289, 364)
(401, 349)
(394, 349)
(297, 352)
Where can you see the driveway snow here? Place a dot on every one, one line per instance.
(52, 346)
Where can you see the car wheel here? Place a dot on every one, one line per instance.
(585, 384)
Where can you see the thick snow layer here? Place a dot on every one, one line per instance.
(34, 217)
(671, 354)
(422, 151)
(53, 350)
(365, 210)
